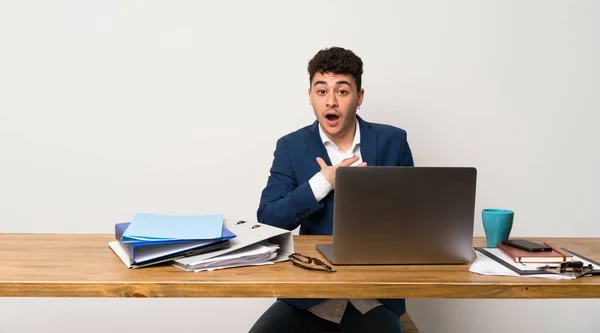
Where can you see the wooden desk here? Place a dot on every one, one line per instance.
(58, 265)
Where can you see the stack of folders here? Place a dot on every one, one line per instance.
(150, 239)
(199, 242)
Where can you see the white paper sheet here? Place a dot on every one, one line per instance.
(487, 266)
(256, 254)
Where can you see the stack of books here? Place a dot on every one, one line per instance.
(150, 239)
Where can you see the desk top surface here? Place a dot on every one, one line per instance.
(82, 265)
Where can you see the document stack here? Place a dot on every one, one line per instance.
(254, 244)
(510, 261)
(199, 242)
(255, 254)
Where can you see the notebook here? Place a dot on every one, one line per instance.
(521, 256)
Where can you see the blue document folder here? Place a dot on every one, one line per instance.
(145, 252)
(156, 227)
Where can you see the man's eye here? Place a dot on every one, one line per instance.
(321, 92)
(343, 92)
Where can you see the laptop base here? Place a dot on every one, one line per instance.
(327, 251)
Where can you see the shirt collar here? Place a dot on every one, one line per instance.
(326, 139)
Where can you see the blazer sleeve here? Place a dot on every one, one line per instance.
(406, 158)
(284, 203)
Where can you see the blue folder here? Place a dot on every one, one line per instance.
(157, 227)
(145, 252)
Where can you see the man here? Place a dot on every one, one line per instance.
(300, 190)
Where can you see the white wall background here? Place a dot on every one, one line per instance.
(109, 108)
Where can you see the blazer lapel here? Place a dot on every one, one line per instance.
(368, 142)
(315, 145)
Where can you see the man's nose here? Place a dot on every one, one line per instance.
(331, 101)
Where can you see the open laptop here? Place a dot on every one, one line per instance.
(402, 215)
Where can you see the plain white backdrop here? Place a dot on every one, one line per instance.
(110, 108)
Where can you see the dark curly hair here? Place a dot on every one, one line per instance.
(336, 60)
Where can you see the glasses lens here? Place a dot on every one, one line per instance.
(299, 257)
(319, 262)
(309, 262)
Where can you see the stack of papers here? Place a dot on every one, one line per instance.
(254, 244)
(257, 254)
(486, 266)
(492, 261)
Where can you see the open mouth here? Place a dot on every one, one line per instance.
(332, 119)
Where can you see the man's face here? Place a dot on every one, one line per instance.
(334, 99)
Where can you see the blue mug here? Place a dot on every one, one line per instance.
(497, 224)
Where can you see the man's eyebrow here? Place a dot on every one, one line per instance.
(337, 83)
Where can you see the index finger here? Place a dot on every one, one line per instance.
(349, 161)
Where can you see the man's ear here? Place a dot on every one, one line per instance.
(309, 99)
(361, 94)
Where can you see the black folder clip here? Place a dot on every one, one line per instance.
(571, 268)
